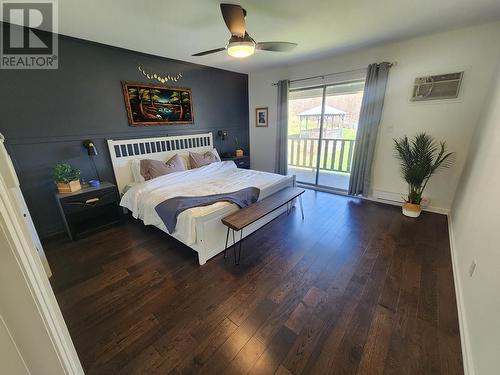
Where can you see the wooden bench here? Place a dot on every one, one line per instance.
(242, 218)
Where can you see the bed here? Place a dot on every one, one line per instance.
(200, 228)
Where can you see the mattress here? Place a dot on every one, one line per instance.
(222, 177)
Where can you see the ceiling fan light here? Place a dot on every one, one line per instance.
(240, 49)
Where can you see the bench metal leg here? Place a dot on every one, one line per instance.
(234, 246)
(239, 250)
(237, 253)
(301, 207)
(237, 257)
(225, 247)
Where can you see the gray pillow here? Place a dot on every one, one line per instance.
(199, 160)
(155, 168)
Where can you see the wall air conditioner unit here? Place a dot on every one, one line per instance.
(437, 87)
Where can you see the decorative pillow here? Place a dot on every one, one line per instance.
(135, 166)
(185, 158)
(154, 168)
(176, 164)
(214, 151)
(199, 160)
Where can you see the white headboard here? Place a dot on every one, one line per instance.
(158, 148)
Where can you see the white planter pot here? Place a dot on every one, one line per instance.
(411, 210)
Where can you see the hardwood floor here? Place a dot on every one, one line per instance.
(356, 288)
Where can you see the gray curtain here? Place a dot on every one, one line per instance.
(280, 165)
(366, 136)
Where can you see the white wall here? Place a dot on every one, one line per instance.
(475, 237)
(473, 49)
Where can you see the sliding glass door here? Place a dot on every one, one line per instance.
(322, 124)
(303, 133)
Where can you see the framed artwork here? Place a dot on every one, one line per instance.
(261, 117)
(157, 105)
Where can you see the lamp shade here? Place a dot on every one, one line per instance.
(91, 149)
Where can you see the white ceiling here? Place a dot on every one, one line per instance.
(177, 29)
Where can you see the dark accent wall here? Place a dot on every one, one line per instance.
(45, 115)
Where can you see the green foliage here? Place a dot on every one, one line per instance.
(154, 96)
(64, 173)
(136, 94)
(420, 158)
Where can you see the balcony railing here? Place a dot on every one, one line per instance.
(336, 154)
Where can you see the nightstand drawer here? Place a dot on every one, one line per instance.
(88, 201)
(90, 209)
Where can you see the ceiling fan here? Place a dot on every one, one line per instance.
(241, 44)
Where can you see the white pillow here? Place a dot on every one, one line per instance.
(135, 166)
(214, 151)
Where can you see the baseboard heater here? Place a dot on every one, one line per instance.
(395, 198)
(388, 196)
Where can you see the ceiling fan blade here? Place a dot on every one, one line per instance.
(276, 46)
(209, 51)
(234, 17)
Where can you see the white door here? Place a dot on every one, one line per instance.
(32, 323)
(12, 182)
(11, 361)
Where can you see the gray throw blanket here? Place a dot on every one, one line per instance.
(169, 209)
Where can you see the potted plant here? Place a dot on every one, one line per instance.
(66, 177)
(238, 151)
(420, 158)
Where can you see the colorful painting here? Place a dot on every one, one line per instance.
(157, 105)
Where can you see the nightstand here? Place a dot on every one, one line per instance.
(240, 161)
(90, 209)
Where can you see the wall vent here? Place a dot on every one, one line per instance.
(437, 87)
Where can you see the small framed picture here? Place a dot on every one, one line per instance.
(261, 117)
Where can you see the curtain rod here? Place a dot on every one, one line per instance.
(332, 74)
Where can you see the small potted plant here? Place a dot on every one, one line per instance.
(420, 158)
(66, 177)
(238, 152)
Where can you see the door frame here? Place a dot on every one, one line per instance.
(323, 87)
(320, 138)
(28, 304)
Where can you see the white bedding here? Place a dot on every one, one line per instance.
(222, 177)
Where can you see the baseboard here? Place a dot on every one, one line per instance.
(462, 321)
(379, 196)
(396, 199)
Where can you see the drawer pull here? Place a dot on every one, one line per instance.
(91, 200)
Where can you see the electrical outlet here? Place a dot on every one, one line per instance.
(472, 268)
